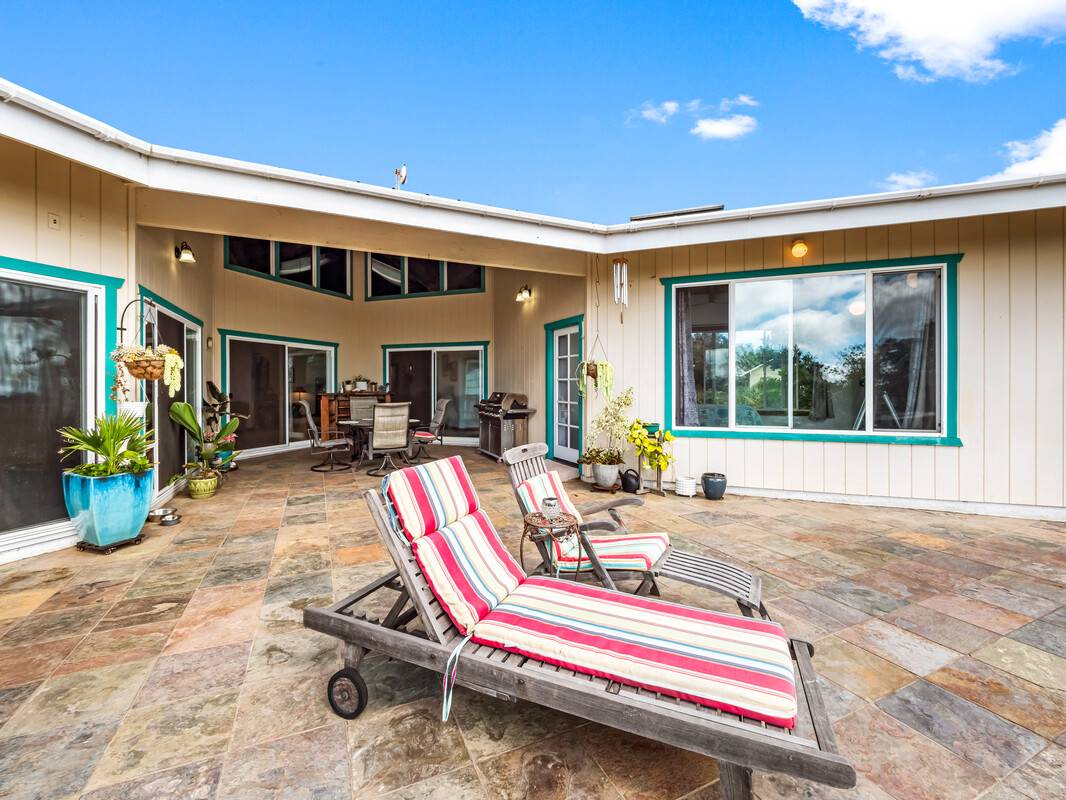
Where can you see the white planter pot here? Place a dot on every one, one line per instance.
(135, 407)
(361, 386)
(605, 475)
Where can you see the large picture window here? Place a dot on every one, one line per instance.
(848, 352)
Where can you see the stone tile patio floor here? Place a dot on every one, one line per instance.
(179, 668)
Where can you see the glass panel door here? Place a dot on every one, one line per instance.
(308, 371)
(411, 380)
(458, 376)
(258, 383)
(45, 346)
(567, 414)
(170, 437)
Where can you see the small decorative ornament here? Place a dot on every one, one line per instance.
(549, 507)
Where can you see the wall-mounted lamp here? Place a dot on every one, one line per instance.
(800, 248)
(525, 294)
(184, 253)
(210, 342)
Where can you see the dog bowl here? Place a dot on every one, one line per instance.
(157, 514)
(170, 519)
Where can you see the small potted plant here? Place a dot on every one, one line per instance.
(205, 472)
(216, 407)
(612, 427)
(362, 383)
(108, 498)
(651, 444)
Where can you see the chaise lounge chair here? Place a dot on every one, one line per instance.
(617, 554)
(731, 687)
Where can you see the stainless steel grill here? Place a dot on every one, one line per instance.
(503, 422)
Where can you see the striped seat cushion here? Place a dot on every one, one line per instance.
(531, 493)
(430, 496)
(425, 435)
(736, 664)
(467, 568)
(626, 551)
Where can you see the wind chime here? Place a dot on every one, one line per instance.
(621, 285)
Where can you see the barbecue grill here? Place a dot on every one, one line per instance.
(503, 422)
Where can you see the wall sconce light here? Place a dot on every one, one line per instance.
(210, 342)
(184, 253)
(621, 281)
(525, 294)
(800, 248)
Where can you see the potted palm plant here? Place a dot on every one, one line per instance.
(205, 472)
(108, 498)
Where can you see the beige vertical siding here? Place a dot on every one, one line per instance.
(1011, 363)
(229, 299)
(92, 208)
(518, 337)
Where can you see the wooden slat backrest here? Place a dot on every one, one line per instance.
(413, 580)
(525, 462)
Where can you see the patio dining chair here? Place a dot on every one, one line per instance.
(390, 436)
(432, 433)
(328, 446)
(617, 553)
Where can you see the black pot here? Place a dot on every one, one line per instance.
(713, 485)
(630, 481)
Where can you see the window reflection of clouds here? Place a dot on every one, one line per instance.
(824, 323)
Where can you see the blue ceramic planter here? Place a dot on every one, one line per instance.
(108, 511)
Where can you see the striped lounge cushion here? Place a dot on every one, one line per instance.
(467, 568)
(626, 551)
(430, 496)
(736, 664)
(531, 493)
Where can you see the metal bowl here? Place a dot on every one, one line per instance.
(170, 519)
(157, 514)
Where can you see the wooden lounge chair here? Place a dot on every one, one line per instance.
(421, 627)
(531, 481)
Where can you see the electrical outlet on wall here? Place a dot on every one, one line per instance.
(53, 221)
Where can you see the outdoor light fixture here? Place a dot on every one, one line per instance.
(525, 294)
(184, 253)
(800, 248)
(621, 281)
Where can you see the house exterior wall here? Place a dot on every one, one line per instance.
(227, 299)
(93, 232)
(1010, 366)
(518, 336)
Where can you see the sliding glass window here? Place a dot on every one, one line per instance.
(390, 276)
(811, 353)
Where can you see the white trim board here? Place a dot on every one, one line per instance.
(1050, 513)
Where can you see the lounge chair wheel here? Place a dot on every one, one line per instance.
(347, 693)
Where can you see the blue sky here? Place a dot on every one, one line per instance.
(538, 106)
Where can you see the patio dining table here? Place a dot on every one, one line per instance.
(361, 431)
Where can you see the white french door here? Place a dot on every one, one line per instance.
(565, 404)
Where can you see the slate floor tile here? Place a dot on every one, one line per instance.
(977, 612)
(940, 628)
(180, 675)
(313, 764)
(1044, 776)
(1043, 635)
(117, 646)
(558, 768)
(1017, 658)
(913, 653)
(197, 781)
(858, 670)
(964, 728)
(862, 597)
(459, 784)
(490, 726)
(52, 764)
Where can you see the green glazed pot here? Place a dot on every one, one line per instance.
(202, 488)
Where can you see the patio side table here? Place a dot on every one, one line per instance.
(541, 530)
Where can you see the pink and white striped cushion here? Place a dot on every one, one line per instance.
(431, 496)
(531, 493)
(739, 665)
(467, 568)
(638, 552)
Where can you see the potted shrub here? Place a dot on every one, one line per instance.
(205, 472)
(651, 444)
(216, 406)
(108, 498)
(611, 427)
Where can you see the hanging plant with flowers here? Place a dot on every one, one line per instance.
(150, 364)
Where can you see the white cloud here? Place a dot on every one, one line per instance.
(912, 179)
(659, 113)
(728, 103)
(731, 127)
(929, 39)
(1044, 154)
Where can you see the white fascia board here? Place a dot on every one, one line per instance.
(794, 219)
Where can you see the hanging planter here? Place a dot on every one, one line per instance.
(600, 373)
(150, 364)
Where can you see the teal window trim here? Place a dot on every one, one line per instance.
(950, 437)
(110, 286)
(549, 382)
(272, 276)
(225, 334)
(404, 294)
(162, 302)
(483, 345)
